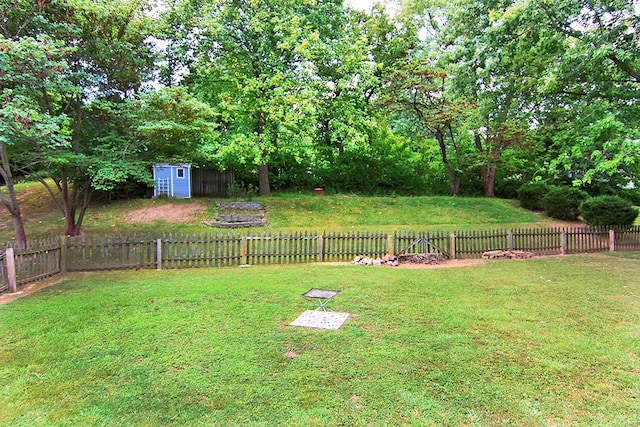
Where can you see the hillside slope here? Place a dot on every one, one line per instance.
(284, 212)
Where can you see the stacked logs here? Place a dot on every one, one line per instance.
(422, 258)
(394, 261)
(506, 255)
(390, 260)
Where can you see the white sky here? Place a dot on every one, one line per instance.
(359, 4)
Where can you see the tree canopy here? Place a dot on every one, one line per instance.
(461, 97)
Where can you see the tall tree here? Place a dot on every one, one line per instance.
(252, 66)
(343, 78)
(594, 86)
(31, 66)
(562, 68)
(418, 88)
(108, 58)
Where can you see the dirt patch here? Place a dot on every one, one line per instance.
(545, 221)
(28, 289)
(169, 213)
(35, 204)
(447, 264)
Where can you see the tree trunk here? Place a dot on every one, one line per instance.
(454, 178)
(11, 202)
(488, 170)
(488, 180)
(69, 225)
(263, 180)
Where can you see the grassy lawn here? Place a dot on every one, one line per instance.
(285, 212)
(549, 341)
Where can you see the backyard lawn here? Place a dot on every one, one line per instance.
(545, 342)
(285, 212)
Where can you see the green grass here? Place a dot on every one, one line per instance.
(285, 212)
(549, 341)
(341, 212)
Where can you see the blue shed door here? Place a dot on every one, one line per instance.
(181, 181)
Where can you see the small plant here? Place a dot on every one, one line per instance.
(252, 191)
(235, 191)
(608, 210)
(531, 195)
(564, 202)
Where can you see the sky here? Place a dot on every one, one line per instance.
(360, 4)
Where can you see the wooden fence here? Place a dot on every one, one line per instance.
(211, 183)
(4, 278)
(49, 257)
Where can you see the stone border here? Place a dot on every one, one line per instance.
(240, 206)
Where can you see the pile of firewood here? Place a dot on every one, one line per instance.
(394, 261)
(506, 255)
(390, 260)
(434, 258)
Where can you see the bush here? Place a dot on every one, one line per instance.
(564, 202)
(608, 210)
(631, 194)
(531, 195)
(508, 188)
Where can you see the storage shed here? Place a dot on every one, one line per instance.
(172, 180)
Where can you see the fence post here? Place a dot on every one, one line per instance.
(390, 244)
(563, 243)
(320, 248)
(510, 237)
(158, 254)
(11, 270)
(243, 250)
(612, 240)
(63, 255)
(453, 246)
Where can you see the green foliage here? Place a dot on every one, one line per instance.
(531, 195)
(608, 210)
(240, 190)
(564, 202)
(386, 165)
(76, 62)
(292, 89)
(235, 191)
(631, 194)
(507, 188)
(251, 67)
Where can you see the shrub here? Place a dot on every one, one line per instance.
(608, 210)
(531, 195)
(631, 194)
(235, 191)
(564, 202)
(508, 188)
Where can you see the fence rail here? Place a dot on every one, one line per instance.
(48, 257)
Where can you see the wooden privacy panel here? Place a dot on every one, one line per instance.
(210, 182)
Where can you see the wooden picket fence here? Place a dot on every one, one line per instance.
(49, 257)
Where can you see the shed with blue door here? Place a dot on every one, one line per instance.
(172, 180)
